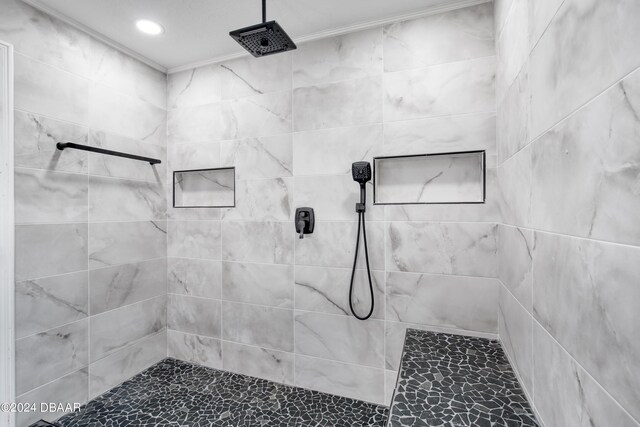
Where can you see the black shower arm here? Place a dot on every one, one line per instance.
(264, 11)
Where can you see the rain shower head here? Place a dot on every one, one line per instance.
(263, 39)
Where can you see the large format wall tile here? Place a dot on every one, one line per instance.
(50, 197)
(245, 76)
(195, 349)
(116, 329)
(70, 389)
(333, 245)
(198, 316)
(44, 38)
(45, 90)
(350, 56)
(46, 250)
(514, 182)
(122, 365)
(35, 139)
(117, 167)
(196, 125)
(340, 148)
(435, 39)
(334, 197)
(341, 338)
(46, 303)
(442, 135)
(34, 364)
(516, 332)
(264, 284)
(189, 156)
(262, 200)
(259, 158)
(354, 381)
(489, 211)
(126, 115)
(466, 249)
(195, 277)
(514, 116)
(455, 302)
(565, 395)
(585, 294)
(123, 200)
(609, 31)
(515, 259)
(257, 325)
(194, 239)
(352, 102)
(117, 70)
(114, 243)
(258, 362)
(326, 290)
(512, 46)
(114, 287)
(585, 170)
(268, 242)
(191, 88)
(456, 88)
(228, 80)
(260, 115)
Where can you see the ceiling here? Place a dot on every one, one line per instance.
(198, 30)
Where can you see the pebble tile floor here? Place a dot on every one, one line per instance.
(451, 380)
(175, 393)
(444, 381)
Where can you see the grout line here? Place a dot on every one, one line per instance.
(570, 115)
(53, 381)
(535, 323)
(570, 236)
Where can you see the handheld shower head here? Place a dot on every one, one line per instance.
(361, 172)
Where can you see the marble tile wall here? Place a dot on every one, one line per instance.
(245, 294)
(568, 160)
(91, 232)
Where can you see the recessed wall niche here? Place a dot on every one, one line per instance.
(440, 178)
(204, 188)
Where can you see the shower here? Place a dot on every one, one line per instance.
(263, 39)
(361, 172)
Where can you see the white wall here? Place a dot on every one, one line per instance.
(246, 294)
(90, 304)
(568, 164)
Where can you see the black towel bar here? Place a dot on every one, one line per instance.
(63, 145)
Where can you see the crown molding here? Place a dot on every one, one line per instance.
(37, 4)
(460, 4)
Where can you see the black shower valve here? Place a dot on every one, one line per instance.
(304, 221)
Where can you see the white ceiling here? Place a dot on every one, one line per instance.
(198, 30)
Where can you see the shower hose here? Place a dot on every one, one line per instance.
(361, 224)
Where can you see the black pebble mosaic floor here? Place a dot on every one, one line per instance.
(451, 380)
(175, 393)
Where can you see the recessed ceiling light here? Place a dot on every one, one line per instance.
(149, 27)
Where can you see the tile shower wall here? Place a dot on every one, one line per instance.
(568, 92)
(90, 230)
(245, 294)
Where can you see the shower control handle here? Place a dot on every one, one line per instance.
(304, 221)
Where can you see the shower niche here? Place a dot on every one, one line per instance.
(442, 178)
(204, 188)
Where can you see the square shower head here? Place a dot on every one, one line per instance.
(264, 39)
